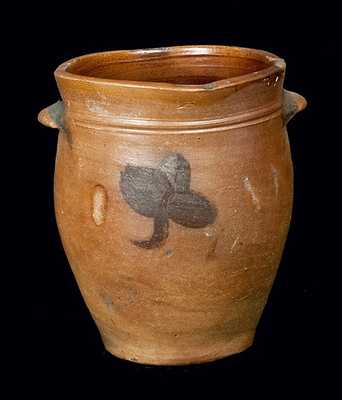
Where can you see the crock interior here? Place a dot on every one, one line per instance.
(169, 66)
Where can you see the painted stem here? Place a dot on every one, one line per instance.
(160, 232)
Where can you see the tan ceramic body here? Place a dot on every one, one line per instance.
(200, 295)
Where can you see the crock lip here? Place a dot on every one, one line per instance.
(276, 66)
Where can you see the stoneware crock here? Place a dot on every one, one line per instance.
(173, 194)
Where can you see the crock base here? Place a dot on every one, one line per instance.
(235, 346)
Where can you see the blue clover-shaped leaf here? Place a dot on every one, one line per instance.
(164, 193)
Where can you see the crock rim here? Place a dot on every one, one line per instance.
(276, 66)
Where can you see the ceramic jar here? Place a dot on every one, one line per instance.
(173, 194)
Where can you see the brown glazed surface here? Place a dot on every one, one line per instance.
(173, 194)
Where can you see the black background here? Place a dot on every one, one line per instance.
(292, 345)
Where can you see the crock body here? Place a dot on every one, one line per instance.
(173, 208)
